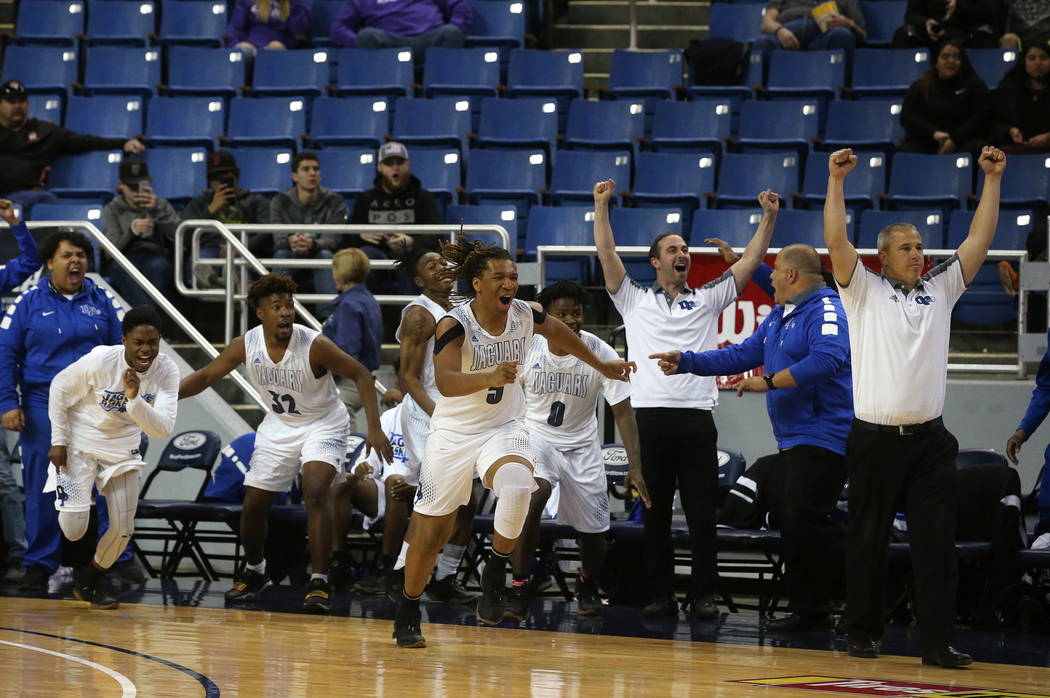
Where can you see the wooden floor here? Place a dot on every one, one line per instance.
(63, 648)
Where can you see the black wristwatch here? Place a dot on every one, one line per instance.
(768, 378)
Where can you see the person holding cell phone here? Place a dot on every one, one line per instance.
(142, 226)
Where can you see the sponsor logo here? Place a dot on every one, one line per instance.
(183, 456)
(190, 440)
(48, 312)
(884, 687)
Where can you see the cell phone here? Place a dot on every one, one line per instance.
(144, 187)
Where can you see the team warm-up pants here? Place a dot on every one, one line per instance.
(913, 472)
(679, 451)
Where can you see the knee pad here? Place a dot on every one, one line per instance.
(513, 483)
(74, 524)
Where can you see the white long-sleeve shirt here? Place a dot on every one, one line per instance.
(90, 413)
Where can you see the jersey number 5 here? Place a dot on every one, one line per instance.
(288, 406)
(494, 396)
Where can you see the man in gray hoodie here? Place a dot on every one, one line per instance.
(142, 226)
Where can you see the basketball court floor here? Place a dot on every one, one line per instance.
(176, 639)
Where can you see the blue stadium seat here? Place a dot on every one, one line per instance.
(862, 188)
(177, 174)
(122, 70)
(616, 124)
(322, 14)
(265, 170)
(742, 176)
(85, 175)
(922, 181)
(195, 22)
(386, 71)
(487, 214)
(205, 71)
(753, 76)
(350, 121)
(863, 125)
(121, 22)
(795, 227)
(575, 172)
(517, 177)
(796, 125)
(881, 19)
(929, 223)
(1025, 182)
(266, 121)
(545, 74)
(561, 225)
(734, 225)
(90, 211)
(49, 22)
(886, 72)
(985, 302)
(185, 121)
(497, 23)
(109, 116)
(441, 121)
(991, 64)
(737, 21)
(347, 171)
(46, 107)
(674, 179)
(638, 226)
(795, 74)
(1011, 230)
(465, 71)
(645, 73)
(518, 123)
(440, 171)
(41, 69)
(302, 72)
(698, 126)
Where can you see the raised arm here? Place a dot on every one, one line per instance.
(974, 248)
(612, 265)
(417, 328)
(202, 379)
(560, 336)
(756, 248)
(448, 370)
(842, 252)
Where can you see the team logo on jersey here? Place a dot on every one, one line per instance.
(686, 305)
(925, 300)
(287, 378)
(555, 382)
(90, 310)
(488, 355)
(113, 401)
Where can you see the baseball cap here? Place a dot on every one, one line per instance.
(133, 170)
(13, 89)
(393, 149)
(221, 161)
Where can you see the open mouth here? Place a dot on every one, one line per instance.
(681, 267)
(74, 274)
(284, 326)
(504, 301)
(143, 362)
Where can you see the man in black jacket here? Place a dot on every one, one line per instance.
(28, 146)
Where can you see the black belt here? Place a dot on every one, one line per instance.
(900, 429)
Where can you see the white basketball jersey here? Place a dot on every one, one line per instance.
(561, 393)
(295, 396)
(427, 375)
(487, 409)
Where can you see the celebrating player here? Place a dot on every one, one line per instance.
(305, 429)
(99, 406)
(478, 423)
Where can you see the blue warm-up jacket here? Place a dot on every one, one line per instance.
(25, 264)
(813, 341)
(355, 324)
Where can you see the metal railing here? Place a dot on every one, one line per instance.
(544, 252)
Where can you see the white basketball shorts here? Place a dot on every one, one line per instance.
(281, 451)
(579, 475)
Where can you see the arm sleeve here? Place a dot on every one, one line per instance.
(334, 214)
(67, 389)
(345, 26)
(980, 110)
(73, 142)
(946, 279)
(911, 115)
(735, 358)
(763, 279)
(114, 314)
(12, 353)
(428, 211)
(165, 222)
(828, 337)
(915, 13)
(240, 23)
(1039, 405)
(853, 295)
(853, 11)
(278, 216)
(21, 267)
(457, 12)
(299, 19)
(158, 419)
(112, 228)
(627, 296)
(720, 292)
(196, 208)
(344, 328)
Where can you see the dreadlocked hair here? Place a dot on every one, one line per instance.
(468, 259)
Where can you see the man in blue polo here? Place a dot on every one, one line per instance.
(804, 346)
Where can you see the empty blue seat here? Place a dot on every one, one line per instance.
(266, 121)
(991, 64)
(109, 116)
(753, 76)
(185, 121)
(90, 211)
(739, 22)
(1011, 230)
(863, 187)
(121, 22)
(194, 70)
(796, 125)
(565, 226)
(638, 226)
(440, 171)
(545, 73)
(863, 125)
(645, 73)
(985, 302)
(464, 71)
(576, 171)
(921, 181)
(46, 107)
(887, 72)
(735, 225)
(518, 123)
(618, 124)
(49, 21)
(881, 19)
(742, 176)
(794, 227)
(441, 121)
(386, 71)
(41, 68)
(674, 179)
(197, 22)
(177, 174)
(265, 170)
(350, 121)
(806, 74)
(322, 14)
(929, 223)
(348, 171)
(486, 214)
(1025, 182)
(497, 23)
(300, 72)
(85, 175)
(507, 176)
(122, 70)
(696, 126)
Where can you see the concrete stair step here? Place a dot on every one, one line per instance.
(618, 35)
(618, 12)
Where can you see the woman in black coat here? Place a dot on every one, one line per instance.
(1022, 104)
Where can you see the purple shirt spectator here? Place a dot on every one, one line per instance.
(248, 26)
(400, 18)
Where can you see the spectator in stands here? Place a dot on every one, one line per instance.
(268, 24)
(226, 202)
(790, 25)
(1027, 22)
(1022, 104)
(49, 327)
(306, 202)
(28, 146)
(971, 23)
(948, 109)
(142, 226)
(416, 24)
(804, 345)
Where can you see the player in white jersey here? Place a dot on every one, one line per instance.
(99, 406)
(305, 429)
(561, 397)
(478, 423)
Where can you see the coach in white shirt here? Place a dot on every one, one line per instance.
(898, 449)
(675, 427)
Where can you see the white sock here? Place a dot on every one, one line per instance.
(448, 561)
(402, 556)
(317, 575)
(260, 568)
